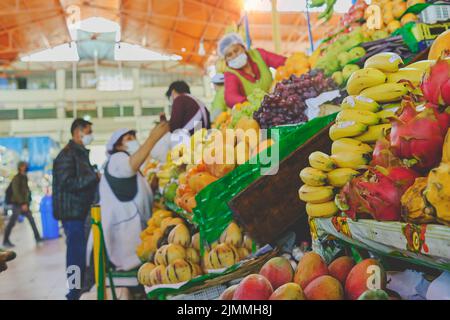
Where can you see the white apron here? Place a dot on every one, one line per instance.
(170, 140)
(122, 222)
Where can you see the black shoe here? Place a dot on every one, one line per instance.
(8, 244)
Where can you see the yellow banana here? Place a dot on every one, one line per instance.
(423, 65)
(339, 177)
(391, 105)
(346, 129)
(384, 61)
(321, 210)
(321, 161)
(316, 194)
(411, 74)
(374, 133)
(364, 78)
(360, 103)
(386, 92)
(361, 116)
(349, 144)
(385, 114)
(313, 177)
(352, 160)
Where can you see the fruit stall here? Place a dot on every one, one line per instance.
(364, 121)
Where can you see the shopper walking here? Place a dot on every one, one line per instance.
(20, 200)
(75, 184)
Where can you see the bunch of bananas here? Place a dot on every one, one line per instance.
(382, 80)
(360, 119)
(166, 172)
(318, 195)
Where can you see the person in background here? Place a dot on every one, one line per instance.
(246, 69)
(218, 105)
(187, 111)
(74, 187)
(125, 196)
(20, 199)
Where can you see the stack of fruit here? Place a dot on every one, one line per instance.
(174, 260)
(166, 172)
(393, 16)
(312, 280)
(297, 64)
(231, 248)
(342, 43)
(355, 14)
(286, 105)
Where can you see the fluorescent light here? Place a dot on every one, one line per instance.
(132, 52)
(341, 6)
(63, 52)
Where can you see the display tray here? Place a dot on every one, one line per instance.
(211, 280)
(423, 244)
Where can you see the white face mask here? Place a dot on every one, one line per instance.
(239, 62)
(87, 139)
(132, 146)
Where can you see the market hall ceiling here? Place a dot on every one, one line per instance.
(169, 26)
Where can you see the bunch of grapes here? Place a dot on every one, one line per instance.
(286, 105)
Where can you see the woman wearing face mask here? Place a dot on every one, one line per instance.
(246, 69)
(125, 196)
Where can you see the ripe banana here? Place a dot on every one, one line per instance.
(386, 92)
(384, 61)
(391, 105)
(374, 133)
(386, 113)
(411, 74)
(361, 116)
(321, 210)
(321, 161)
(346, 129)
(364, 78)
(352, 160)
(423, 65)
(339, 177)
(313, 177)
(360, 103)
(349, 144)
(316, 194)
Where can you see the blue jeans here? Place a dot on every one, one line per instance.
(75, 255)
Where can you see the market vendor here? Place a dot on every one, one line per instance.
(246, 69)
(125, 195)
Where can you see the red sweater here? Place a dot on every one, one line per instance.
(234, 90)
(183, 109)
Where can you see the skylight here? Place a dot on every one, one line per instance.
(96, 25)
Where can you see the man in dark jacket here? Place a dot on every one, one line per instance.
(20, 199)
(74, 187)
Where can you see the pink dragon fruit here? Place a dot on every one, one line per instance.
(376, 194)
(436, 83)
(418, 137)
(383, 156)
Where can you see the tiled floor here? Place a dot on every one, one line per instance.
(38, 272)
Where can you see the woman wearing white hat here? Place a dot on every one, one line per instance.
(125, 196)
(246, 69)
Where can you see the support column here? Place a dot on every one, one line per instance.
(276, 27)
(137, 92)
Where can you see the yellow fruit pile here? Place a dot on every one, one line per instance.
(171, 259)
(392, 14)
(428, 199)
(296, 64)
(230, 249)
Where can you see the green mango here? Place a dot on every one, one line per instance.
(374, 295)
(170, 191)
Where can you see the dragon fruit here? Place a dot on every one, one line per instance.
(436, 83)
(377, 193)
(417, 137)
(383, 156)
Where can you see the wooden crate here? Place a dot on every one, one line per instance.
(270, 206)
